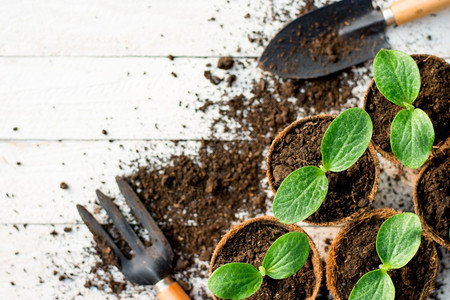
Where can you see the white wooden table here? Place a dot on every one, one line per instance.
(69, 69)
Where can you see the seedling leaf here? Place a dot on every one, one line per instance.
(300, 194)
(374, 285)
(235, 281)
(412, 137)
(398, 240)
(397, 76)
(346, 139)
(286, 255)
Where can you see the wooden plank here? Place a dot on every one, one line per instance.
(132, 98)
(32, 255)
(33, 260)
(31, 193)
(181, 28)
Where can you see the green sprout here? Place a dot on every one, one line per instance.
(303, 191)
(398, 240)
(398, 79)
(240, 280)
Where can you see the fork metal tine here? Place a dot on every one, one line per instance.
(98, 230)
(119, 221)
(143, 216)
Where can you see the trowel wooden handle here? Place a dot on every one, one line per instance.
(408, 10)
(173, 292)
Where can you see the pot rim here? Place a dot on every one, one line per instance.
(372, 153)
(418, 208)
(389, 155)
(331, 257)
(317, 265)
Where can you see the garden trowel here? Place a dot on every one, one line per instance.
(337, 36)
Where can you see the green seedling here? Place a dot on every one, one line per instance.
(398, 79)
(240, 280)
(303, 191)
(397, 242)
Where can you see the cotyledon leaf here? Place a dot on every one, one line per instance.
(412, 137)
(286, 255)
(300, 195)
(398, 240)
(346, 139)
(397, 76)
(235, 281)
(374, 285)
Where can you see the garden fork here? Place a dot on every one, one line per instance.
(149, 265)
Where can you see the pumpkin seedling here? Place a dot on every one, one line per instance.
(303, 191)
(240, 280)
(398, 79)
(398, 240)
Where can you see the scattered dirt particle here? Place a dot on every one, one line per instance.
(230, 80)
(225, 62)
(63, 185)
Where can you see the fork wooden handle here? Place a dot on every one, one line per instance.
(173, 292)
(408, 10)
(168, 289)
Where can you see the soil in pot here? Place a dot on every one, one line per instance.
(353, 254)
(434, 99)
(432, 198)
(249, 243)
(349, 193)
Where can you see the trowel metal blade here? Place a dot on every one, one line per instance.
(354, 23)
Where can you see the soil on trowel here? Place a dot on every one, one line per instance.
(250, 245)
(356, 255)
(433, 192)
(348, 190)
(433, 98)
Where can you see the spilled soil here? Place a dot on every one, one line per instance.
(225, 179)
(195, 200)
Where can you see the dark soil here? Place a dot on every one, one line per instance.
(434, 99)
(433, 193)
(250, 245)
(356, 255)
(225, 63)
(220, 183)
(317, 41)
(348, 191)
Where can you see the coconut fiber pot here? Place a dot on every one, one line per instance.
(249, 241)
(350, 192)
(432, 198)
(353, 253)
(434, 99)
